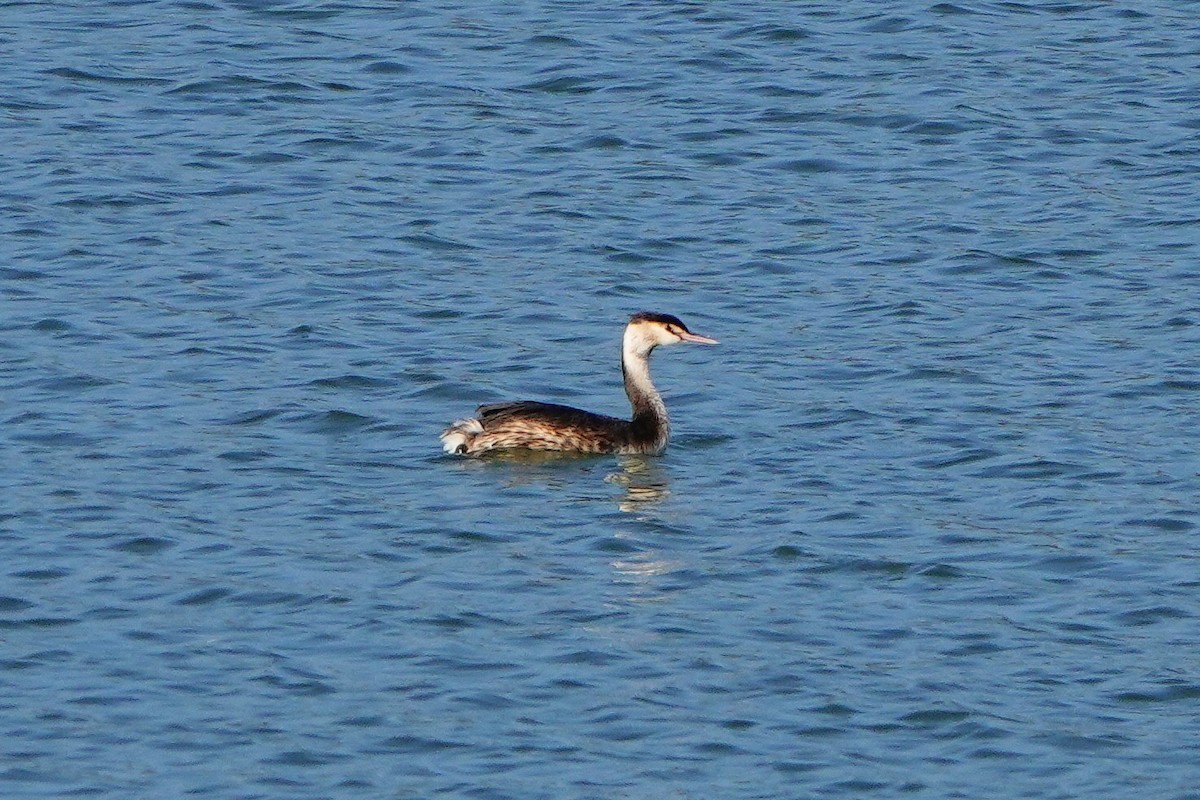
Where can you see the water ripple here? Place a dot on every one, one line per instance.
(925, 524)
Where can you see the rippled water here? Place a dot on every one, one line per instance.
(927, 525)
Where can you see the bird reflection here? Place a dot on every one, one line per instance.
(645, 483)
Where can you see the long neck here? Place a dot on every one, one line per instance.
(650, 426)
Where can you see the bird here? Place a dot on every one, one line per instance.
(530, 425)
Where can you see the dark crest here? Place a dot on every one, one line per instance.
(662, 319)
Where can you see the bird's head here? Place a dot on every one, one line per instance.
(647, 330)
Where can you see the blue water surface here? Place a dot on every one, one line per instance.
(927, 525)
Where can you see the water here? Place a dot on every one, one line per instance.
(927, 524)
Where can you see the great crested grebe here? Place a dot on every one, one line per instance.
(531, 425)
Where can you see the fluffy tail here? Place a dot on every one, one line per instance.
(457, 438)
